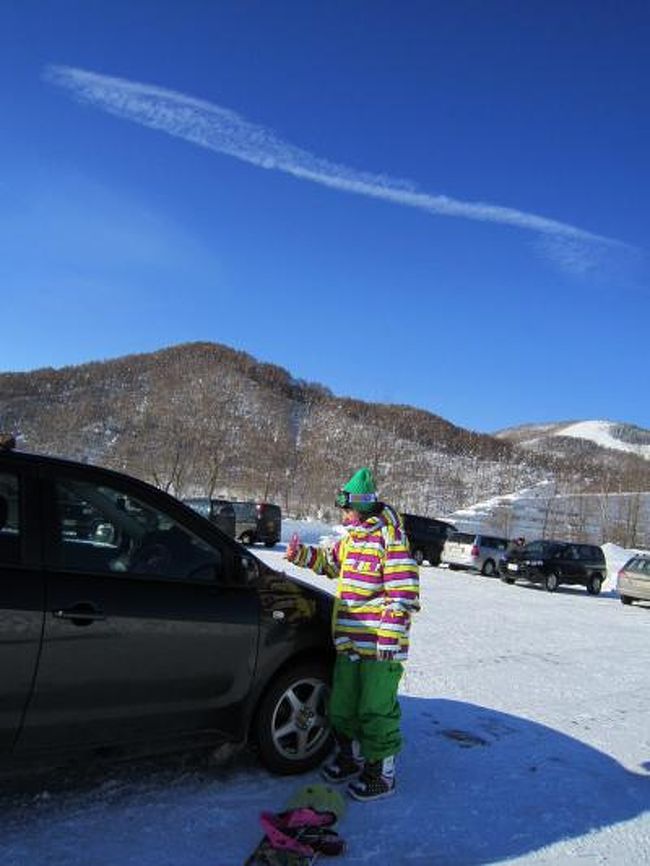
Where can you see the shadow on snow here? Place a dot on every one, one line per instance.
(475, 786)
(479, 786)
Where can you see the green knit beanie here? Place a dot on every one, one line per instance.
(360, 493)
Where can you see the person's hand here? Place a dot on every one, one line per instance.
(292, 547)
(386, 655)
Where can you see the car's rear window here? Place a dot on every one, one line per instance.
(639, 564)
(591, 552)
(494, 542)
(462, 537)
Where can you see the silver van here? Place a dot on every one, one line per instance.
(634, 579)
(474, 552)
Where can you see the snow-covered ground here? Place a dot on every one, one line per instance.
(526, 717)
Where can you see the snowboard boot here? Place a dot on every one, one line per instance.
(376, 781)
(346, 763)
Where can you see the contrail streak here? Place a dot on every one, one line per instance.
(224, 131)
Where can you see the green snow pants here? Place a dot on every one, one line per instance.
(363, 705)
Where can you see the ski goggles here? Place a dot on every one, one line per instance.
(344, 499)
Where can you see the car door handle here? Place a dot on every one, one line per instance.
(82, 614)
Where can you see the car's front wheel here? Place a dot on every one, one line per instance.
(291, 727)
(626, 599)
(489, 568)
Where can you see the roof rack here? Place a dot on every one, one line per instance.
(7, 442)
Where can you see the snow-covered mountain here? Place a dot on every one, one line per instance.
(205, 419)
(606, 434)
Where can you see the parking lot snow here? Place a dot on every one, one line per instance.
(527, 742)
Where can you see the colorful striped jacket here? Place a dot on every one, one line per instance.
(378, 586)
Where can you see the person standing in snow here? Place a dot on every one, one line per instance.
(377, 592)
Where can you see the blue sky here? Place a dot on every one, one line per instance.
(438, 204)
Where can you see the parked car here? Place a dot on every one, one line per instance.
(158, 631)
(426, 537)
(218, 511)
(258, 522)
(474, 552)
(634, 579)
(553, 563)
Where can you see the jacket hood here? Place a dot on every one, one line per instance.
(386, 517)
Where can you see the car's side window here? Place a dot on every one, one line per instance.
(100, 529)
(9, 519)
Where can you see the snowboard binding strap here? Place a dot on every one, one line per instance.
(303, 831)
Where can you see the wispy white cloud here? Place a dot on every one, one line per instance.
(224, 131)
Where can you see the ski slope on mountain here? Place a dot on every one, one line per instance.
(602, 433)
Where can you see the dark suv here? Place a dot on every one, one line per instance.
(552, 563)
(258, 521)
(426, 536)
(128, 623)
(218, 511)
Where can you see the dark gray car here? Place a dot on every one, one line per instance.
(553, 563)
(128, 623)
(426, 536)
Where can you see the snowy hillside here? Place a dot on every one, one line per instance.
(606, 434)
(525, 715)
(543, 511)
(205, 419)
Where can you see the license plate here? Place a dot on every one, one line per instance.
(512, 567)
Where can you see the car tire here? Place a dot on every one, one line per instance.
(626, 599)
(551, 582)
(291, 726)
(270, 543)
(418, 556)
(489, 568)
(594, 584)
(509, 580)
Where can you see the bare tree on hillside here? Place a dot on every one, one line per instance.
(502, 519)
(632, 519)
